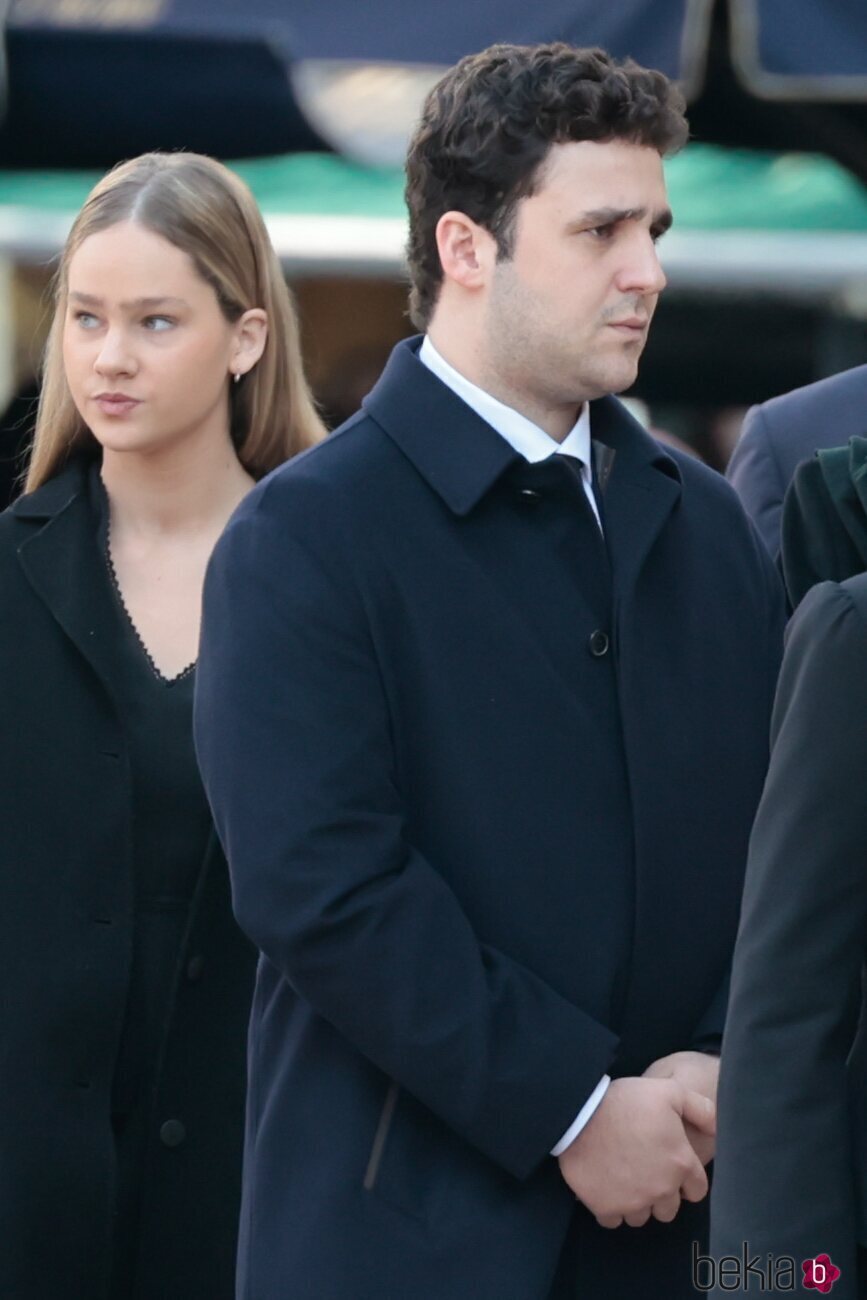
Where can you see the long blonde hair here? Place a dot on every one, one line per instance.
(202, 208)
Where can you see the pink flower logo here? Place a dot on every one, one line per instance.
(820, 1274)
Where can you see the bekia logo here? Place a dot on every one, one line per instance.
(768, 1274)
(819, 1274)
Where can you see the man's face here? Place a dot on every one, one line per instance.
(568, 312)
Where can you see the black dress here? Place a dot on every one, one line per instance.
(171, 824)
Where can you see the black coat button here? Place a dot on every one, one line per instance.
(172, 1133)
(530, 496)
(195, 967)
(599, 644)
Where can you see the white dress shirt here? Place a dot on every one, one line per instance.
(534, 444)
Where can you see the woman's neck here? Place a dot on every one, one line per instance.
(180, 490)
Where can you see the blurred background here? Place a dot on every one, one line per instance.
(312, 101)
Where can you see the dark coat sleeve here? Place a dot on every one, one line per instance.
(815, 544)
(757, 477)
(294, 740)
(784, 1169)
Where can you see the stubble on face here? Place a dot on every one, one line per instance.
(553, 332)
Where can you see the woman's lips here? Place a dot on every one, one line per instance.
(116, 403)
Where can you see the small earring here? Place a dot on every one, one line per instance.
(237, 377)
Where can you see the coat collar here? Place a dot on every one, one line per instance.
(461, 456)
(844, 470)
(458, 453)
(59, 560)
(55, 495)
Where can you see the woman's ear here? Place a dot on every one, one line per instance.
(251, 333)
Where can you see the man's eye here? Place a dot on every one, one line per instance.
(603, 232)
(158, 323)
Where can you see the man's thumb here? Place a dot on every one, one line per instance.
(699, 1111)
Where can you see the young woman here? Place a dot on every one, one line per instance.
(172, 381)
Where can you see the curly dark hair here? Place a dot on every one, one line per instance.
(487, 126)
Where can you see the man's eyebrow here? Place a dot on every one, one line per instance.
(610, 217)
(91, 300)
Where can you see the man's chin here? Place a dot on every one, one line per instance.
(617, 380)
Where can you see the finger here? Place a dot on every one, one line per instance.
(609, 1220)
(666, 1209)
(693, 1186)
(699, 1111)
(638, 1219)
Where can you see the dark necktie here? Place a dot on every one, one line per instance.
(554, 489)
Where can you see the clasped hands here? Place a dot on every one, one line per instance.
(644, 1149)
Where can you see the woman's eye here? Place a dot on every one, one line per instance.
(86, 319)
(158, 323)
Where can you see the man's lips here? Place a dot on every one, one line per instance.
(634, 324)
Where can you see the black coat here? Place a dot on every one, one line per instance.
(824, 532)
(488, 831)
(791, 1168)
(781, 433)
(65, 947)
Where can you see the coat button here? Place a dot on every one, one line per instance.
(530, 496)
(599, 644)
(195, 967)
(172, 1133)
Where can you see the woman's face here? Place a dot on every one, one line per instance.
(148, 353)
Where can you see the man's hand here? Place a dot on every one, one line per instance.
(697, 1071)
(633, 1158)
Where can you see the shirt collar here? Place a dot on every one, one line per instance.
(531, 442)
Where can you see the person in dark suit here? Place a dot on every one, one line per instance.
(126, 981)
(482, 712)
(781, 433)
(791, 1167)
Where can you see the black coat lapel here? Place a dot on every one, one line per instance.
(642, 489)
(62, 563)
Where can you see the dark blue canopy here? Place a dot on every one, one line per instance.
(93, 82)
(803, 48)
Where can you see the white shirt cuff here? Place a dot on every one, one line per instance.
(586, 1113)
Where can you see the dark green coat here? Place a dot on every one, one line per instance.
(824, 535)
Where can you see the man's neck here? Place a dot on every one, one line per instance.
(556, 421)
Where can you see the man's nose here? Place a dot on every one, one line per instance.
(115, 355)
(643, 271)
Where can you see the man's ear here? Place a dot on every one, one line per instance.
(467, 251)
(251, 333)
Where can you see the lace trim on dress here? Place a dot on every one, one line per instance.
(112, 573)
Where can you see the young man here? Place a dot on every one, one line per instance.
(483, 701)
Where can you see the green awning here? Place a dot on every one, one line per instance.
(710, 189)
(742, 219)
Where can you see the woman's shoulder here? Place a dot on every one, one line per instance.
(830, 624)
(50, 497)
(26, 515)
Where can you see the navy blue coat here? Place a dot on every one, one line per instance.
(781, 433)
(483, 864)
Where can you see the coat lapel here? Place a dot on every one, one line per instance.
(58, 561)
(643, 487)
